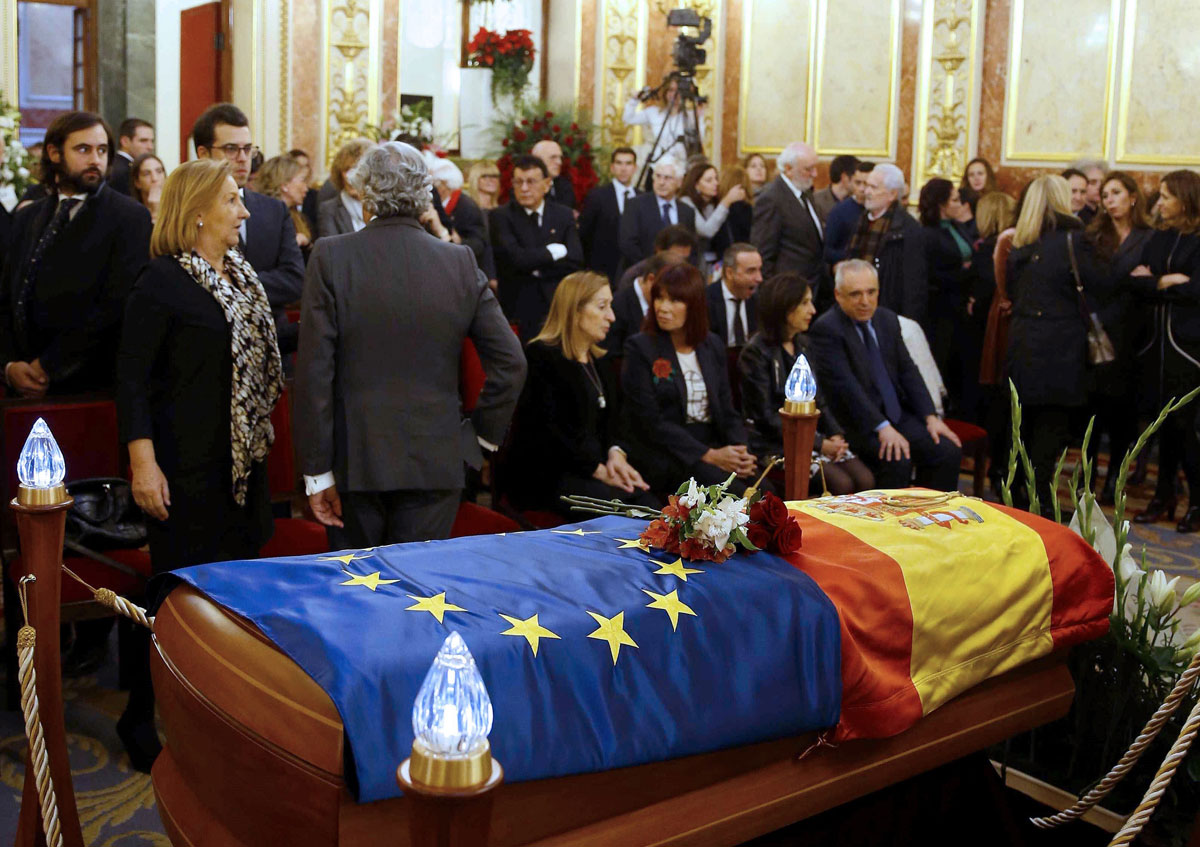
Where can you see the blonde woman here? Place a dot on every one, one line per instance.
(198, 373)
(566, 440)
(483, 184)
(284, 178)
(1047, 340)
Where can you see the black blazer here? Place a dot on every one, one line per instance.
(467, 220)
(845, 372)
(642, 221)
(333, 218)
(718, 319)
(119, 176)
(903, 272)
(654, 411)
(737, 227)
(272, 250)
(785, 234)
(627, 310)
(1172, 315)
(600, 230)
(527, 273)
(5, 233)
(765, 368)
(82, 282)
(562, 192)
(175, 370)
(560, 428)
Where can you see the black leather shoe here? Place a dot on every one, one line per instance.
(1156, 510)
(1190, 521)
(140, 740)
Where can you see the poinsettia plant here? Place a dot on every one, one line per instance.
(708, 524)
(533, 122)
(510, 56)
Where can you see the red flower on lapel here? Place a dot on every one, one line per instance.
(662, 369)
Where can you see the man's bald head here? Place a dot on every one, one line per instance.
(549, 152)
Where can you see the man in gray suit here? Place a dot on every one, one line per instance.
(787, 229)
(377, 409)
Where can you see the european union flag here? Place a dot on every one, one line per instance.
(596, 653)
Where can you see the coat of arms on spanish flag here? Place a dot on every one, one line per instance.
(938, 592)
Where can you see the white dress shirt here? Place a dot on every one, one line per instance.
(355, 208)
(624, 192)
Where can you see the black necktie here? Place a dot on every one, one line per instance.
(883, 381)
(49, 234)
(739, 325)
(666, 214)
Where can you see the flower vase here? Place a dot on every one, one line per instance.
(476, 112)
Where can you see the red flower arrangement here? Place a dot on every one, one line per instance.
(773, 526)
(509, 55)
(662, 369)
(535, 122)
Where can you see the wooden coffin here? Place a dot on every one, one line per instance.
(254, 756)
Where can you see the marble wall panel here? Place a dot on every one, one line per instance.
(1157, 123)
(1059, 91)
(855, 112)
(775, 57)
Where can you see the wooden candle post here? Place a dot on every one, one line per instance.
(444, 816)
(799, 420)
(41, 523)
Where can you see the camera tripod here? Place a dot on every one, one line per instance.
(687, 98)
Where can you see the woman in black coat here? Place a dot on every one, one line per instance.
(678, 412)
(1119, 233)
(198, 373)
(1167, 283)
(565, 439)
(948, 256)
(1047, 342)
(785, 310)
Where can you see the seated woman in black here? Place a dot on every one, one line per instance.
(678, 411)
(565, 439)
(785, 309)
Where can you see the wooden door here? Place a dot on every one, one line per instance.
(204, 73)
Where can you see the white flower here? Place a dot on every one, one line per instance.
(716, 527)
(23, 173)
(1191, 595)
(6, 123)
(735, 510)
(1105, 540)
(694, 497)
(6, 174)
(1161, 592)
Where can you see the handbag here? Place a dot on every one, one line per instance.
(1099, 346)
(104, 515)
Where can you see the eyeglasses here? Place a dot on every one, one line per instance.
(231, 151)
(527, 183)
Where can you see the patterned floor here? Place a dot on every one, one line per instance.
(116, 803)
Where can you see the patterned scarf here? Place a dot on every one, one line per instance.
(257, 367)
(868, 237)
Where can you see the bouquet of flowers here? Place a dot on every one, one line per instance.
(533, 122)
(708, 524)
(508, 54)
(15, 173)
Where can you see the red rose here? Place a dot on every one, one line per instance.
(569, 140)
(788, 538)
(574, 127)
(770, 511)
(587, 148)
(662, 369)
(504, 143)
(537, 125)
(759, 535)
(524, 121)
(549, 115)
(519, 136)
(556, 129)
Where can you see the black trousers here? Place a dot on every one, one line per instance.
(375, 518)
(936, 463)
(1178, 446)
(1046, 431)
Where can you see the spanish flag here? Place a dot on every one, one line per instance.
(938, 592)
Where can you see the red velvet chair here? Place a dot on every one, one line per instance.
(473, 519)
(974, 447)
(293, 536)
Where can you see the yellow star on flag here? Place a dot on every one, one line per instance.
(634, 543)
(371, 580)
(529, 629)
(435, 605)
(676, 568)
(575, 532)
(346, 558)
(671, 604)
(613, 631)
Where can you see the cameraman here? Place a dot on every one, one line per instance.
(667, 123)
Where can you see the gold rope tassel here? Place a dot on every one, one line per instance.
(110, 599)
(1102, 789)
(38, 758)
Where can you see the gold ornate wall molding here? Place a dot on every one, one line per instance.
(623, 39)
(947, 122)
(285, 75)
(8, 50)
(353, 29)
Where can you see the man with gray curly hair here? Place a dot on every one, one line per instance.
(379, 435)
(891, 239)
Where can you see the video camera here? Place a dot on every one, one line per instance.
(687, 53)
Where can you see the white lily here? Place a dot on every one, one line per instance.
(1105, 540)
(735, 510)
(716, 527)
(695, 495)
(1191, 596)
(1161, 592)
